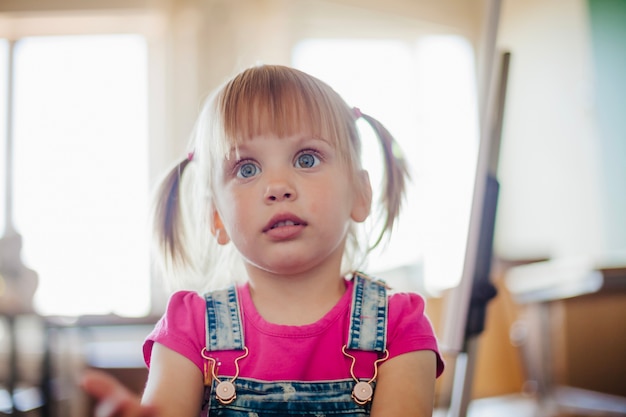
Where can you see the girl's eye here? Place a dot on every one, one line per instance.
(307, 160)
(247, 170)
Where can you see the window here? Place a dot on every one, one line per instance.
(416, 89)
(81, 171)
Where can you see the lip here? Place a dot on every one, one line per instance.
(283, 220)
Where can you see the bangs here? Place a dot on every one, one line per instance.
(283, 101)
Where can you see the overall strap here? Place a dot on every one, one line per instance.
(223, 320)
(368, 321)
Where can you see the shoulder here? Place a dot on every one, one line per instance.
(410, 329)
(181, 328)
(398, 302)
(406, 311)
(406, 302)
(183, 308)
(184, 300)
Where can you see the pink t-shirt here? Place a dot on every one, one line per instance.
(292, 353)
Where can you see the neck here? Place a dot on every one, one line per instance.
(296, 299)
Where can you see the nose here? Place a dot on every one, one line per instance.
(279, 190)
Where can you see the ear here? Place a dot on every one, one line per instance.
(362, 204)
(217, 228)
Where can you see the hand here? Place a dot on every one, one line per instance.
(112, 398)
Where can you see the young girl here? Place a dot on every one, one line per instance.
(274, 173)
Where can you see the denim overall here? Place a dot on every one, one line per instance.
(250, 397)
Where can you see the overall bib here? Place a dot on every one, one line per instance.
(245, 397)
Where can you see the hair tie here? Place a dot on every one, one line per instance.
(190, 156)
(357, 112)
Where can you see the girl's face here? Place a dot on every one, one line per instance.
(286, 203)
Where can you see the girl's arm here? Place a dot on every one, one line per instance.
(175, 388)
(175, 385)
(406, 386)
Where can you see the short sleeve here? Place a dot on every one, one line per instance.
(181, 328)
(409, 327)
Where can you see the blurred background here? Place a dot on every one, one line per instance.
(97, 100)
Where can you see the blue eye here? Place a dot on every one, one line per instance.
(307, 160)
(247, 170)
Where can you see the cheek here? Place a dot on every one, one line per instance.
(335, 198)
(235, 209)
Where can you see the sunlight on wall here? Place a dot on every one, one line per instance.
(81, 175)
(424, 92)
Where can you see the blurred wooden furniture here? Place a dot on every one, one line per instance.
(572, 335)
(107, 342)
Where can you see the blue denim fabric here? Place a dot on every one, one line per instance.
(368, 323)
(368, 331)
(223, 321)
(273, 399)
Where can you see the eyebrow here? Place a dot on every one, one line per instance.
(300, 138)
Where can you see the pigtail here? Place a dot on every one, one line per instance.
(396, 174)
(167, 222)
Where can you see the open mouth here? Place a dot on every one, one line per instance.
(285, 223)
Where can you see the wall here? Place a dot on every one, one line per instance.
(563, 166)
(608, 38)
(550, 169)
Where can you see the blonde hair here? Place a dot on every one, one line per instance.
(260, 100)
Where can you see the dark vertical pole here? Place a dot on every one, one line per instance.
(482, 290)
